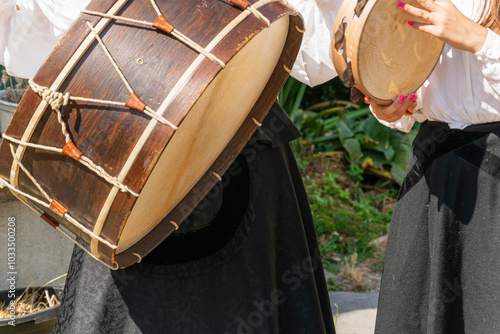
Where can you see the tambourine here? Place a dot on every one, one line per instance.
(376, 51)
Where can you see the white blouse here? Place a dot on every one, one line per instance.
(29, 29)
(314, 64)
(463, 89)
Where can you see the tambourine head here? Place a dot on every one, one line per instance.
(379, 53)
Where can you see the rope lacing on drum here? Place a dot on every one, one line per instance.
(55, 207)
(83, 160)
(245, 5)
(51, 204)
(55, 224)
(56, 99)
(162, 24)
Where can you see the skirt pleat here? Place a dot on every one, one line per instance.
(442, 264)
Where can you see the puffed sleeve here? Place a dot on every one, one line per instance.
(314, 63)
(489, 56)
(7, 9)
(31, 30)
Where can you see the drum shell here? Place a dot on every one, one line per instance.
(108, 135)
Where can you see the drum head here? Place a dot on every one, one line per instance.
(394, 59)
(206, 130)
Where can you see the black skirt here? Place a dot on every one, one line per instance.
(245, 261)
(442, 264)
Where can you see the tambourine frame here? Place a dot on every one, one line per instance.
(382, 68)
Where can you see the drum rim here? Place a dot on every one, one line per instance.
(258, 113)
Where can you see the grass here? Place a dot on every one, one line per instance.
(351, 213)
(356, 277)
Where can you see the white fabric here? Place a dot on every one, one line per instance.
(314, 64)
(464, 88)
(28, 35)
(29, 30)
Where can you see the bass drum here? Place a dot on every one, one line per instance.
(139, 110)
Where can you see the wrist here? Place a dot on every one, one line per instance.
(477, 37)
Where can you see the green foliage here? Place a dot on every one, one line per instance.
(349, 162)
(338, 125)
(333, 286)
(346, 218)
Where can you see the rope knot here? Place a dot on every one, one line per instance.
(55, 99)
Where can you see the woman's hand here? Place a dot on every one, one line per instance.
(393, 112)
(447, 23)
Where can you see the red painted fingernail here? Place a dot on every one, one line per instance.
(412, 97)
(401, 4)
(402, 98)
(367, 99)
(410, 23)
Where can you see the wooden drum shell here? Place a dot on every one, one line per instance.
(109, 134)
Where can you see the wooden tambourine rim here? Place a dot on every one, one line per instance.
(355, 29)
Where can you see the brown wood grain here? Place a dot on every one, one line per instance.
(107, 134)
(185, 207)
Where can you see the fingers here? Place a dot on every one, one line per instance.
(400, 106)
(427, 4)
(411, 107)
(418, 13)
(442, 19)
(420, 26)
(430, 5)
(423, 15)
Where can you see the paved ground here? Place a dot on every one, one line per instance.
(356, 311)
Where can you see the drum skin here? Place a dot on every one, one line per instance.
(388, 57)
(153, 63)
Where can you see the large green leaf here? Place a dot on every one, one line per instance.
(377, 159)
(400, 161)
(353, 149)
(377, 131)
(344, 130)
